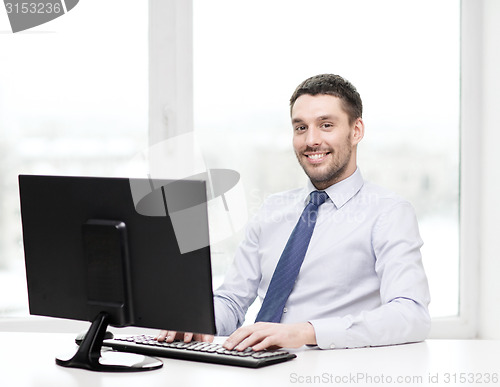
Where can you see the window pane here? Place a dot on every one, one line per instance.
(73, 101)
(403, 56)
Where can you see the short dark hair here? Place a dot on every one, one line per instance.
(335, 85)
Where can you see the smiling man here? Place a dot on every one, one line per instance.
(337, 263)
(325, 138)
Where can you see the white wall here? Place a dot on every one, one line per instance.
(489, 206)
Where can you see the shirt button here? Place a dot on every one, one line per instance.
(332, 346)
(285, 310)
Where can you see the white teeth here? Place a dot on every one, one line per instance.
(316, 156)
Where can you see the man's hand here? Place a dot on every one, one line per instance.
(169, 336)
(264, 335)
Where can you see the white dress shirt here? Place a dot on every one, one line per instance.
(362, 282)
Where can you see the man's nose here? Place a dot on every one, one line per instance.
(313, 137)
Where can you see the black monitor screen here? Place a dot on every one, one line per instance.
(109, 245)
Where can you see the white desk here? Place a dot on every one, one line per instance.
(27, 360)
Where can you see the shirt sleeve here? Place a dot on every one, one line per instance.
(233, 298)
(403, 314)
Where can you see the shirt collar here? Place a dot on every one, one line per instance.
(341, 192)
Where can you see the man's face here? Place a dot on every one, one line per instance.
(323, 140)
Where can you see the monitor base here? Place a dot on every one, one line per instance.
(90, 355)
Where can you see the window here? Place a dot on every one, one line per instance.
(404, 58)
(73, 101)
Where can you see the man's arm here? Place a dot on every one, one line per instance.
(237, 293)
(239, 290)
(401, 321)
(403, 315)
(397, 322)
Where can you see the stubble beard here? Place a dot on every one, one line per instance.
(334, 171)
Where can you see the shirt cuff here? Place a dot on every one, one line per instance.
(332, 332)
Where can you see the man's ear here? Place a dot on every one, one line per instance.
(358, 131)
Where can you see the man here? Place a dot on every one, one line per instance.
(361, 281)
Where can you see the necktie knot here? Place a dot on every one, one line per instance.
(318, 197)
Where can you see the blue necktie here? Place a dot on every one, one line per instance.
(291, 259)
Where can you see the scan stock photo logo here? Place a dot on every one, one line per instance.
(24, 14)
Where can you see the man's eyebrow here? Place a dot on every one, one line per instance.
(324, 117)
(327, 117)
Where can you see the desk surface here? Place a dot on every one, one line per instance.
(27, 359)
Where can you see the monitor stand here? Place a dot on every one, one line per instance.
(90, 357)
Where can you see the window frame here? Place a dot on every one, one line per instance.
(170, 69)
(465, 325)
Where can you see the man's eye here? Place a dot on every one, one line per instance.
(327, 125)
(300, 128)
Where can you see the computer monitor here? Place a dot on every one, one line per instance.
(96, 251)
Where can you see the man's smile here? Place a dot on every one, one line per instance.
(316, 157)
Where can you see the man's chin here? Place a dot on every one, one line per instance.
(323, 179)
(319, 179)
